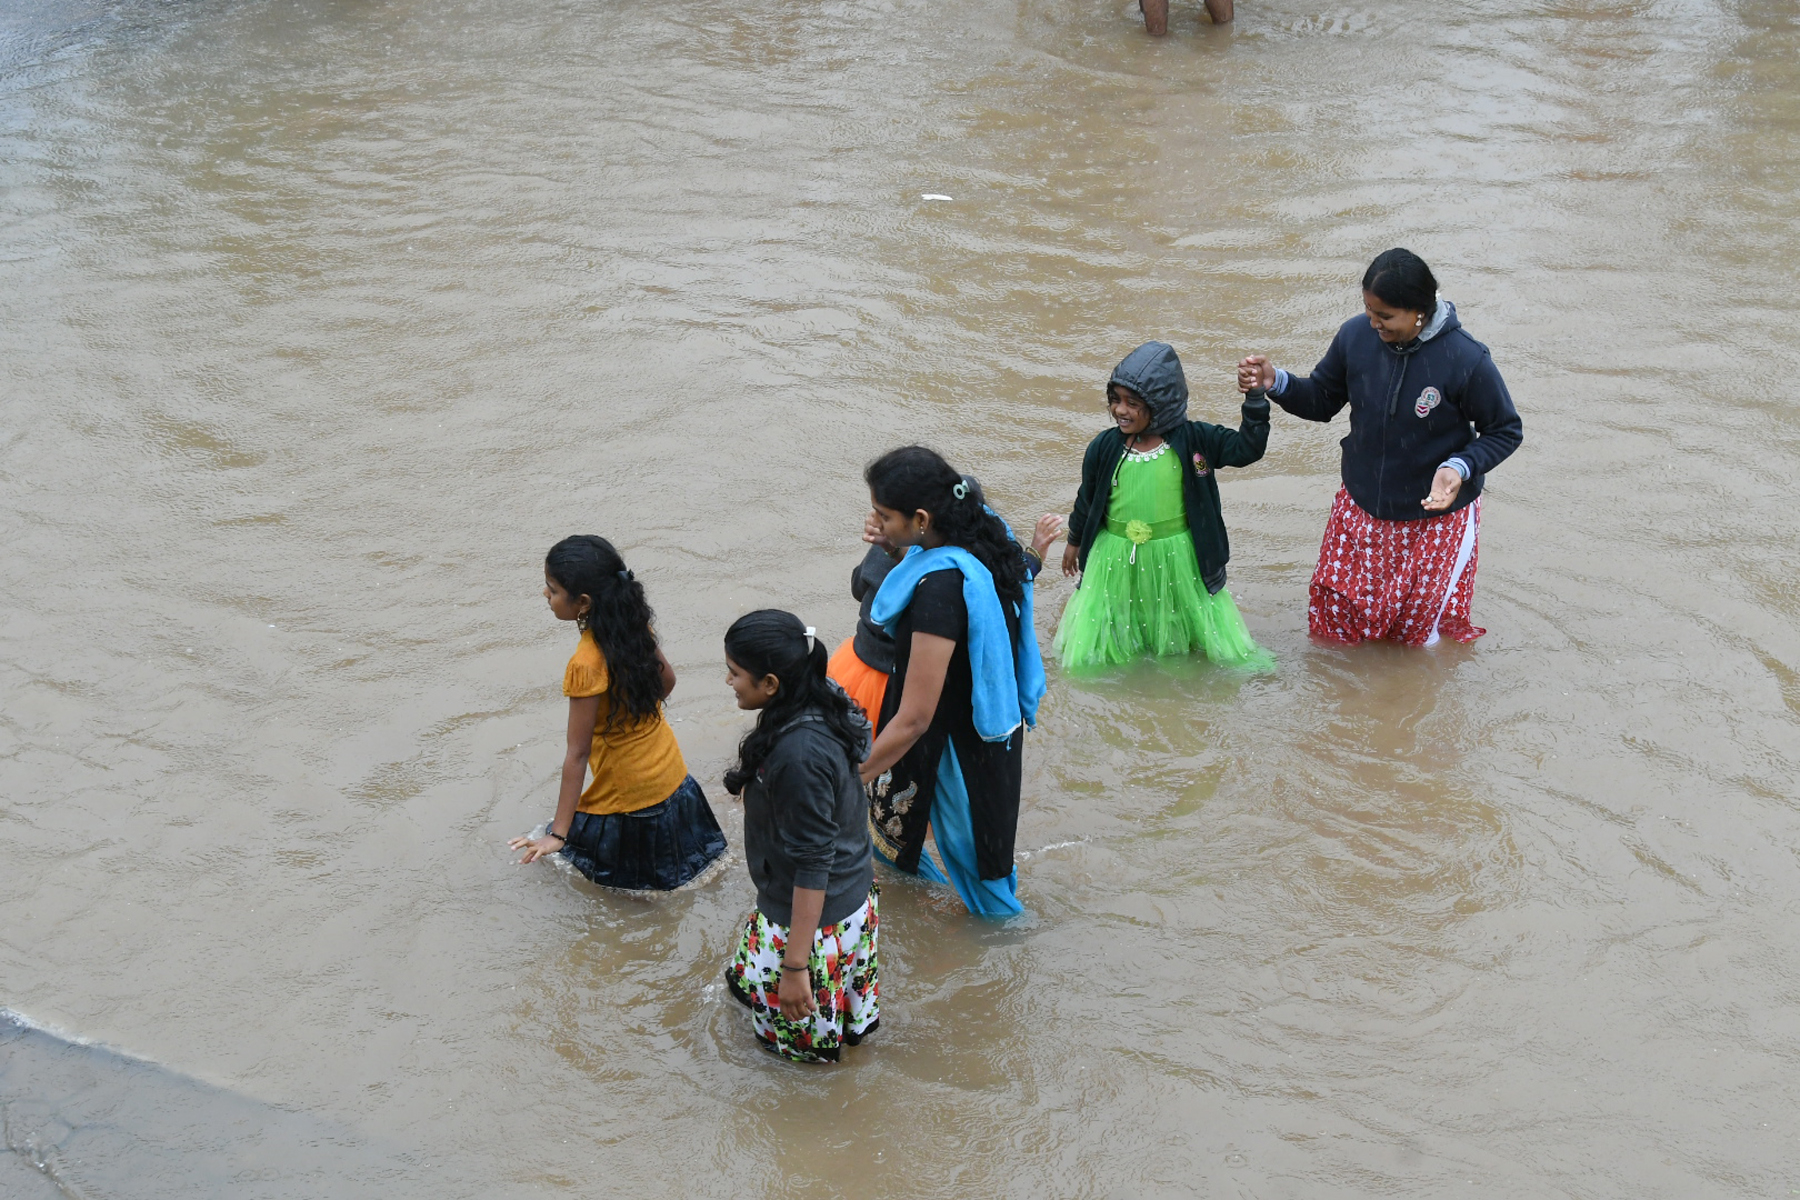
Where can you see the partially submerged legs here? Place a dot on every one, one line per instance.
(1156, 14)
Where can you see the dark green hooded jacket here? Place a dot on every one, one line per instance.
(1154, 373)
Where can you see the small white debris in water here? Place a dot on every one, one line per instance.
(934, 196)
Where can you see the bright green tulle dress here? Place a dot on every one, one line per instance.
(1141, 591)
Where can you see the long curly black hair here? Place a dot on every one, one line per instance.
(771, 642)
(913, 478)
(618, 616)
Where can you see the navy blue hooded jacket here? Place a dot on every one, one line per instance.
(1412, 408)
(1154, 373)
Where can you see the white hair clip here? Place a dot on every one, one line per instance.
(961, 490)
(811, 641)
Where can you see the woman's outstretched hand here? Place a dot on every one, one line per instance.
(1049, 528)
(1444, 487)
(1071, 560)
(536, 848)
(1255, 371)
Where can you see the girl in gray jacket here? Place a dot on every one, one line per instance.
(806, 965)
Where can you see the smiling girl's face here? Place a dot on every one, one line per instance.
(565, 606)
(752, 693)
(1130, 413)
(1392, 323)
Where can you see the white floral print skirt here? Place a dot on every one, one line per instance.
(845, 970)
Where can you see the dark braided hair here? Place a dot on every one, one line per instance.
(913, 478)
(771, 642)
(1402, 279)
(618, 616)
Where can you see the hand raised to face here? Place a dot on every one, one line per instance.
(872, 533)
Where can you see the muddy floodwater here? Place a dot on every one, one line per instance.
(320, 320)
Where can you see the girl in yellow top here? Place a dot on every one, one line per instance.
(642, 822)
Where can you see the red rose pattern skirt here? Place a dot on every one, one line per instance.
(1400, 581)
(845, 970)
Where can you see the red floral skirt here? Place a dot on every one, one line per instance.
(1398, 581)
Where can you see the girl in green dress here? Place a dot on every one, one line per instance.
(1146, 535)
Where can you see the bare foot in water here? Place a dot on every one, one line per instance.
(1219, 11)
(1156, 16)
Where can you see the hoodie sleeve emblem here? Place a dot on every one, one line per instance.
(1200, 467)
(1428, 399)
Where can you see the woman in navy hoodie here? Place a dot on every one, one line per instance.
(1429, 418)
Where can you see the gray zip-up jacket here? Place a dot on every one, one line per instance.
(806, 824)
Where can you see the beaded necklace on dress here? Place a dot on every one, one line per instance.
(1136, 456)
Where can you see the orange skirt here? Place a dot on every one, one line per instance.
(866, 685)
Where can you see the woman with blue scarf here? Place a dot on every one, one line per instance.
(967, 679)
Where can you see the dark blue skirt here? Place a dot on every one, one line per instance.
(656, 848)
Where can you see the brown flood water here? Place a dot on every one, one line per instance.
(322, 319)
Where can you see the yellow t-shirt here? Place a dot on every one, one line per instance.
(635, 765)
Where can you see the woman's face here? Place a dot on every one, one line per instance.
(752, 693)
(1392, 324)
(900, 529)
(1130, 413)
(565, 606)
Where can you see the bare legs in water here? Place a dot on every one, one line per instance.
(1156, 14)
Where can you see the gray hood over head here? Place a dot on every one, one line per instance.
(1154, 373)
